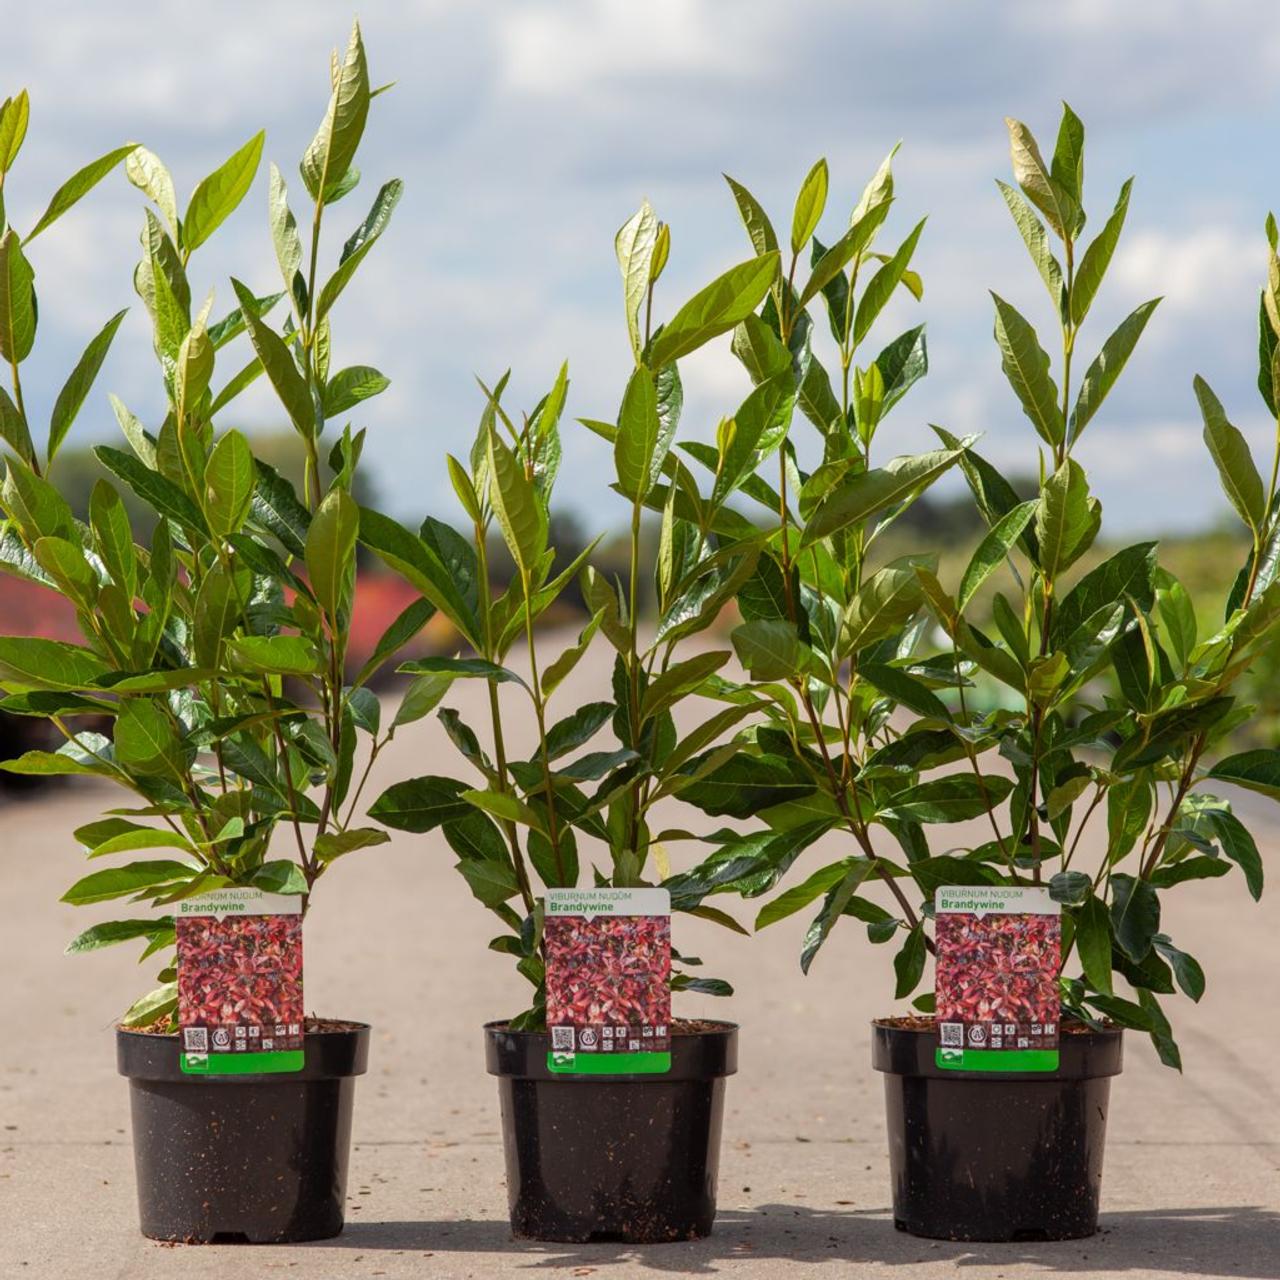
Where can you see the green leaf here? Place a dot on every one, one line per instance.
(519, 510)
(634, 245)
(332, 150)
(577, 729)
(1107, 367)
(837, 899)
(1129, 806)
(333, 844)
(151, 1007)
(335, 285)
(120, 882)
(110, 932)
(503, 805)
(902, 364)
(763, 237)
(375, 221)
(1026, 365)
(810, 203)
(331, 550)
(993, 550)
(33, 662)
(904, 689)
(769, 648)
(834, 261)
(217, 196)
(348, 387)
(274, 655)
(1129, 573)
(276, 508)
(1093, 940)
(1033, 235)
(279, 366)
(113, 537)
(642, 443)
(146, 740)
(1068, 155)
(148, 173)
(51, 764)
(462, 668)
(1238, 844)
(421, 804)
(1097, 258)
(798, 897)
(1066, 521)
(724, 303)
(1185, 968)
(954, 798)
(13, 429)
(409, 556)
(1135, 915)
(885, 602)
(14, 118)
(1230, 451)
(908, 964)
(229, 479)
(79, 185)
(163, 496)
(1033, 176)
(865, 494)
(17, 300)
(678, 680)
(881, 285)
(77, 386)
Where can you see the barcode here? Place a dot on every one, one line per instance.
(953, 1034)
(562, 1038)
(196, 1039)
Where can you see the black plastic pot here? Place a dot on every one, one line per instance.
(621, 1158)
(258, 1158)
(979, 1156)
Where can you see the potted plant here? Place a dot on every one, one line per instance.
(1053, 684)
(629, 1156)
(214, 657)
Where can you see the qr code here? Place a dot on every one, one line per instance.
(196, 1039)
(562, 1039)
(953, 1034)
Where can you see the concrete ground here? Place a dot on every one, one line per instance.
(1192, 1183)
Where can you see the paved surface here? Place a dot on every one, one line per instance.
(1192, 1184)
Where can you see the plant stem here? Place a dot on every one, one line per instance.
(539, 708)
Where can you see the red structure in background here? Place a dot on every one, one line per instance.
(28, 609)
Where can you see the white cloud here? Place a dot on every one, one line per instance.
(1197, 272)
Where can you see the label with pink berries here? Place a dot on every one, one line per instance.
(608, 954)
(240, 1009)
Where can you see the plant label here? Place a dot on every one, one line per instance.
(608, 964)
(999, 952)
(240, 1008)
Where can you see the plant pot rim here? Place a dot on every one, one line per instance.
(705, 1054)
(332, 1053)
(909, 1051)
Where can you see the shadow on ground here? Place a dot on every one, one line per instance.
(1239, 1241)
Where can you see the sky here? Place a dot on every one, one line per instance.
(527, 131)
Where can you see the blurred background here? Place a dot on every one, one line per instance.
(527, 132)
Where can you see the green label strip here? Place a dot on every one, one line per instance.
(996, 1060)
(243, 1064)
(608, 1064)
